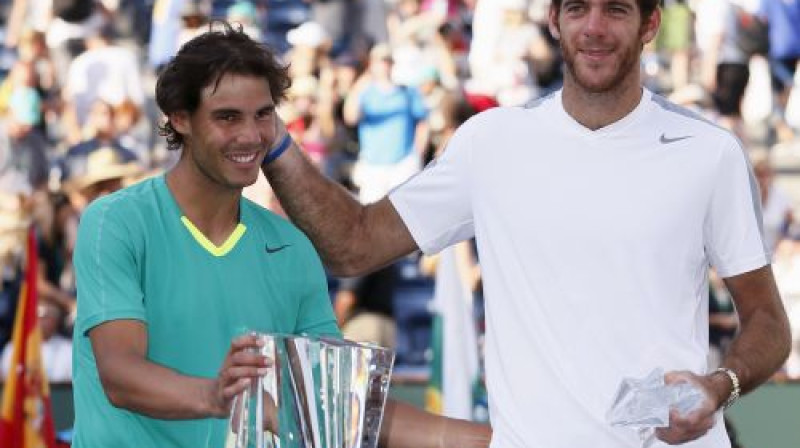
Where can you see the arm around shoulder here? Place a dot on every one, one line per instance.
(351, 238)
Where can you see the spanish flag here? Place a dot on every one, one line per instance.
(26, 420)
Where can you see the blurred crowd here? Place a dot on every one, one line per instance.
(378, 88)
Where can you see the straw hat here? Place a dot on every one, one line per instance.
(101, 165)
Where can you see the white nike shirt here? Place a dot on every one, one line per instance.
(594, 247)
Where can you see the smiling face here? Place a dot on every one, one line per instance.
(602, 41)
(227, 137)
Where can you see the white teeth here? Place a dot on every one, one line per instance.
(242, 158)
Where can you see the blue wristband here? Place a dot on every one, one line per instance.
(275, 153)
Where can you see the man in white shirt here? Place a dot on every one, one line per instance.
(597, 211)
(105, 71)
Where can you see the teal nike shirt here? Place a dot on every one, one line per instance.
(137, 258)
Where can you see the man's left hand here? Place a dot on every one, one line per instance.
(696, 423)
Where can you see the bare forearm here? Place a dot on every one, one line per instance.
(324, 210)
(150, 389)
(759, 350)
(764, 340)
(352, 108)
(405, 426)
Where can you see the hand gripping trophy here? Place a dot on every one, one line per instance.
(319, 393)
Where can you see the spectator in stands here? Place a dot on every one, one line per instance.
(342, 22)
(725, 67)
(195, 17)
(363, 307)
(310, 45)
(14, 197)
(437, 99)
(96, 174)
(18, 15)
(520, 48)
(675, 41)
(305, 119)
(778, 208)
(56, 348)
(99, 132)
(783, 17)
(132, 131)
(572, 309)
(487, 25)
(56, 221)
(73, 23)
(24, 148)
(33, 49)
(180, 248)
(416, 42)
(105, 71)
(166, 26)
(336, 81)
(392, 130)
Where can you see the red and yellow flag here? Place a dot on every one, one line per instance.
(26, 420)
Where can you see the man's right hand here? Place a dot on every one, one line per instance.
(243, 363)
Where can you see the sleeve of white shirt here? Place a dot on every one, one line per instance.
(733, 233)
(436, 204)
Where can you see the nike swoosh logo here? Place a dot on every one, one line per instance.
(272, 250)
(664, 139)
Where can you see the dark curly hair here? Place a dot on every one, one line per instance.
(203, 61)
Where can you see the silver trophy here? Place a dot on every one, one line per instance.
(319, 393)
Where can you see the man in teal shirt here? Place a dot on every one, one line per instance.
(175, 272)
(172, 269)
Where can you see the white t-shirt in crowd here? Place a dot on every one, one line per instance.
(111, 74)
(594, 248)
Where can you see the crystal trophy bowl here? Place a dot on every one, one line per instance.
(318, 393)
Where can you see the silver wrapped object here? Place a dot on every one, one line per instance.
(644, 403)
(324, 393)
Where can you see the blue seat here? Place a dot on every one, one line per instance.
(411, 307)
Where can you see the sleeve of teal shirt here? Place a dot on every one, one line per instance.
(107, 278)
(316, 316)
